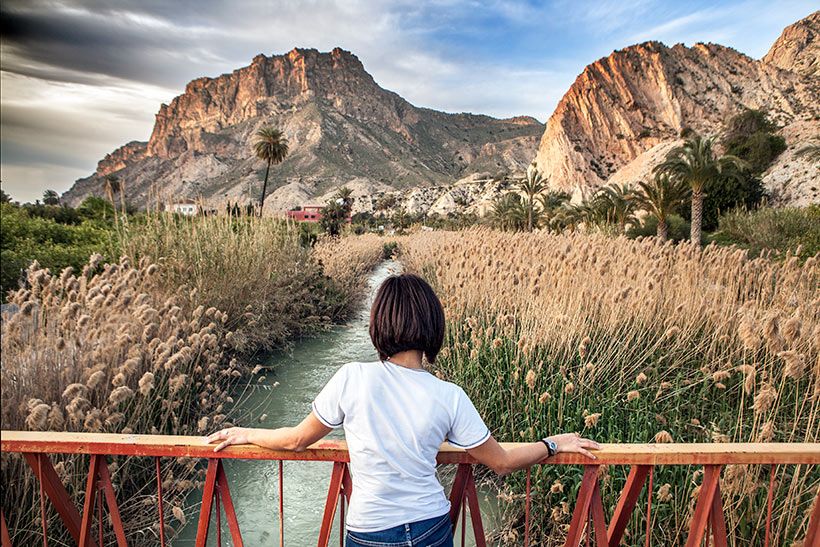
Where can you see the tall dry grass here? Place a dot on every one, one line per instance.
(110, 349)
(147, 348)
(634, 341)
(348, 260)
(254, 269)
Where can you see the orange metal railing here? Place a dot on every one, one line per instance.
(588, 519)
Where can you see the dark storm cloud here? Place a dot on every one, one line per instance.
(79, 40)
(82, 77)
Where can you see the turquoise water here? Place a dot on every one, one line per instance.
(292, 381)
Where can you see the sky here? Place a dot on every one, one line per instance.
(79, 78)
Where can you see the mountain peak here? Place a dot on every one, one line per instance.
(798, 47)
(643, 95)
(342, 126)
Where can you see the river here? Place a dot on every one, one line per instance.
(293, 380)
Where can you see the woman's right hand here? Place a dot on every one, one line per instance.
(573, 442)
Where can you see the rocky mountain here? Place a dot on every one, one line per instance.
(625, 111)
(343, 128)
(798, 48)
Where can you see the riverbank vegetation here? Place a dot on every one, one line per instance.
(110, 348)
(633, 341)
(348, 261)
(54, 236)
(259, 271)
(156, 342)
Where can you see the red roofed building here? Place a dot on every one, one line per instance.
(308, 213)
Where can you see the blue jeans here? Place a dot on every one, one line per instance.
(434, 532)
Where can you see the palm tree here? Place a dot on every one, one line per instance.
(333, 216)
(696, 164)
(551, 203)
(509, 212)
(345, 194)
(616, 203)
(50, 197)
(400, 220)
(112, 186)
(533, 185)
(568, 216)
(661, 197)
(272, 147)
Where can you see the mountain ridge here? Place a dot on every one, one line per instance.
(342, 126)
(623, 105)
(617, 120)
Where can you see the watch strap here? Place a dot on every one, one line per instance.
(550, 447)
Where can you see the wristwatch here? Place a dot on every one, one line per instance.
(552, 448)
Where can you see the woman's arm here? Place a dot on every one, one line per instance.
(504, 461)
(285, 438)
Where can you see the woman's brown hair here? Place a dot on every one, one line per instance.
(406, 315)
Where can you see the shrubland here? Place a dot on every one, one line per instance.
(633, 341)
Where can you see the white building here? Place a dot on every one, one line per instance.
(185, 207)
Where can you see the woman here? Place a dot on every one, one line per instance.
(395, 416)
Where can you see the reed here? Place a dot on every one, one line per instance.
(254, 269)
(147, 347)
(110, 349)
(633, 341)
(348, 261)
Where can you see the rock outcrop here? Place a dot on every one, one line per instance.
(623, 106)
(798, 48)
(341, 126)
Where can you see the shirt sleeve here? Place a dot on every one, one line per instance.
(467, 429)
(327, 406)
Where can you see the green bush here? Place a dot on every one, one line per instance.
(777, 230)
(726, 194)
(750, 136)
(678, 228)
(389, 249)
(24, 238)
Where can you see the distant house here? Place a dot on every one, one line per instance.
(185, 207)
(308, 213)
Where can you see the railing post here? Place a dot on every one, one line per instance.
(709, 510)
(813, 532)
(339, 482)
(769, 506)
(208, 493)
(471, 495)
(42, 500)
(463, 495)
(589, 491)
(626, 503)
(281, 505)
(227, 503)
(5, 539)
(40, 464)
(159, 503)
(99, 477)
(216, 489)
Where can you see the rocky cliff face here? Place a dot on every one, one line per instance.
(798, 48)
(638, 98)
(342, 128)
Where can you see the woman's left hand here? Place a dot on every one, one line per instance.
(229, 436)
(573, 442)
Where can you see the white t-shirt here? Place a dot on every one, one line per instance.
(395, 419)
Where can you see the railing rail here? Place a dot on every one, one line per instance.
(588, 516)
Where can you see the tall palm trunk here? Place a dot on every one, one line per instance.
(697, 216)
(264, 189)
(529, 216)
(663, 229)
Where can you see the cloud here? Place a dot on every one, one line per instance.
(81, 77)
